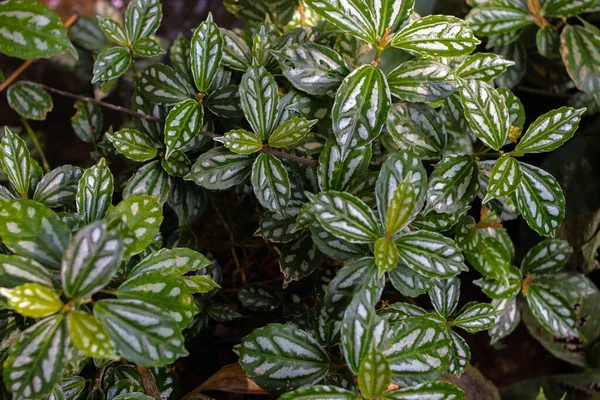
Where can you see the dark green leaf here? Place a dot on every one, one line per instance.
(225, 102)
(16, 162)
(147, 47)
(427, 391)
(160, 84)
(299, 259)
(176, 261)
(142, 18)
(29, 100)
(259, 97)
(113, 31)
(422, 81)
(547, 257)
(495, 19)
(271, 183)
(183, 124)
(444, 295)
(133, 144)
(579, 50)
(483, 66)
(94, 192)
(320, 392)
(151, 179)
(505, 179)
(509, 316)
(206, 52)
(551, 310)
(550, 130)
(16, 270)
(453, 184)
(258, 297)
(88, 121)
(236, 53)
(476, 317)
(111, 64)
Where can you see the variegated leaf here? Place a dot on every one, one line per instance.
(492, 19)
(360, 109)
(499, 289)
(225, 102)
(515, 108)
(160, 84)
(475, 317)
(90, 260)
(320, 392)
(111, 64)
(58, 187)
(386, 254)
(258, 297)
(468, 237)
(151, 179)
(147, 47)
(486, 112)
(94, 192)
(345, 216)
(436, 36)
(113, 31)
(32, 230)
(579, 49)
(291, 132)
(183, 124)
(509, 316)
(175, 261)
(391, 14)
(241, 141)
(551, 310)
(400, 208)
(259, 97)
(16, 162)
(271, 183)
(491, 259)
(206, 52)
(36, 361)
(88, 121)
(16, 270)
(335, 247)
(505, 179)
(438, 390)
(133, 144)
(29, 100)
(219, 169)
(282, 357)
(430, 254)
(177, 165)
(547, 41)
(461, 354)
(444, 295)
(550, 131)
(261, 45)
(437, 222)
(142, 19)
(418, 350)
(453, 184)
(417, 127)
(408, 282)
(313, 68)
(32, 300)
(399, 312)
(352, 16)
(374, 374)
(298, 259)
(540, 200)
(87, 34)
(32, 30)
(422, 81)
(89, 335)
(483, 66)
(547, 257)
(236, 53)
(565, 8)
(335, 171)
(179, 55)
(141, 332)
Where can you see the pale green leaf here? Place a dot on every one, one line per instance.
(241, 141)
(400, 208)
(133, 144)
(32, 300)
(374, 375)
(491, 259)
(291, 132)
(89, 335)
(386, 254)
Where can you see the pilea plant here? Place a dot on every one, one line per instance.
(366, 137)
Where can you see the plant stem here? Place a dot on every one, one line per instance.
(301, 10)
(148, 382)
(36, 144)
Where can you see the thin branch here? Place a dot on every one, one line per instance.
(148, 382)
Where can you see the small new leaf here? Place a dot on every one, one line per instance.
(111, 64)
(291, 132)
(241, 141)
(32, 300)
(133, 144)
(89, 335)
(505, 179)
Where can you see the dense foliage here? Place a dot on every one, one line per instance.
(383, 151)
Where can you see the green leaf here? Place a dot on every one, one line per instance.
(444, 295)
(417, 350)
(88, 121)
(179, 55)
(483, 66)
(400, 208)
(436, 222)
(505, 179)
(32, 230)
(222, 312)
(261, 45)
(147, 47)
(313, 68)
(417, 127)
(486, 112)
(291, 132)
(430, 254)
(282, 357)
(468, 237)
(374, 375)
(345, 216)
(271, 183)
(32, 300)
(36, 361)
(32, 30)
(299, 259)
(189, 202)
(386, 254)
(354, 17)
(579, 50)
(177, 165)
(515, 108)
(258, 297)
(150, 179)
(94, 192)
(422, 81)
(87, 34)
(509, 316)
(16, 162)
(427, 391)
(362, 329)
(360, 109)
(160, 84)
(72, 387)
(240, 141)
(491, 259)
(391, 14)
(89, 335)
(335, 170)
(142, 18)
(320, 392)
(540, 200)
(550, 131)
(172, 294)
(176, 261)
(206, 53)
(453, 184)
(461, 354)
(90, 260)
(497, 18)
(141, 332)
(547, 41)
(113, 31)
(546, 257)
(29, 100)
(259, 98)
(183, 124)
(236, 53)
(502, 289)
(399, 312)
(551, 310)
(58, 187)
(436, 36)
(475, 317)
(111, 64)
(404, 165)
(17, 270)
(133, 144)
(408, 282)
(565, 8)
(224, 102)
(219, 169)
(335, 247)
